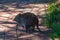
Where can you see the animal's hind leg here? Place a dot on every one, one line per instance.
(33, 28)
(27, 28)
(38, 28)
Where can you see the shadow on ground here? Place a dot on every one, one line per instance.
(19, 3)
(21, 33)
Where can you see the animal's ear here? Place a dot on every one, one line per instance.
(17, 17)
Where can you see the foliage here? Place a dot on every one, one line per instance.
(52, 19)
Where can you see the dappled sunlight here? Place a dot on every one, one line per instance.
(43, 28)
(9, 10)
(8, 26)
(6, 15)
(2, 28)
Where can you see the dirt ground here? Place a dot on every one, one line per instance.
(8, 27)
